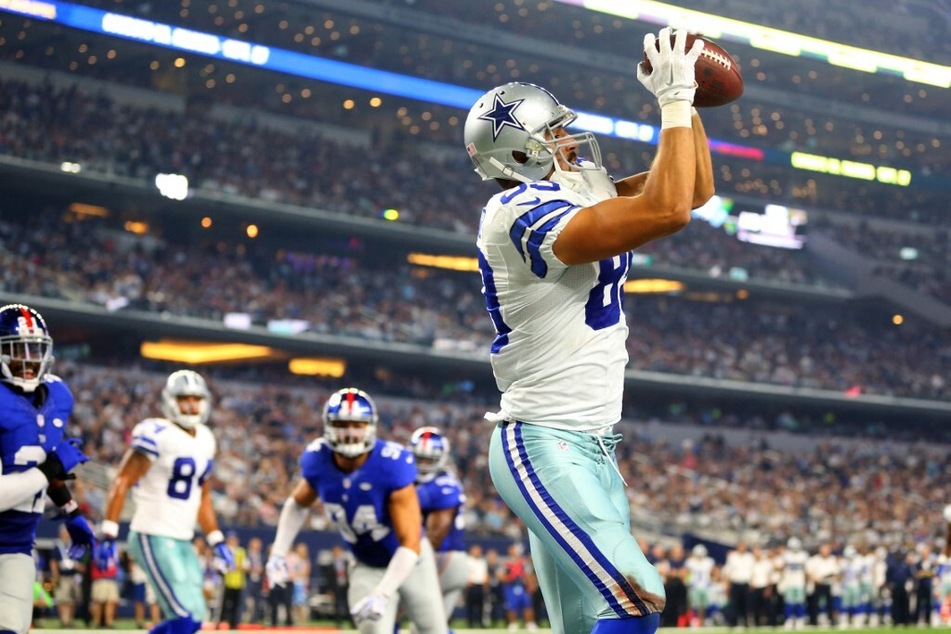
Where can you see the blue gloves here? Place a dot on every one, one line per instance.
(81, 536)
(65, 457)
(224, 554)
(105, 552)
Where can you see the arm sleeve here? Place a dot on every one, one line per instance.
(16, 488)
(401, 564)
(293, 516)
(535, 220)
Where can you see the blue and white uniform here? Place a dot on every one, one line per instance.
(27, 433)
(559, 359)
(167, 499)
(440, 493)
(357, 504)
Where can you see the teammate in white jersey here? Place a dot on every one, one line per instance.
(167, 468)
(700, 567)
(792, 584)
(554, 252)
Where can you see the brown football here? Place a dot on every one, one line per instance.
(719, 81)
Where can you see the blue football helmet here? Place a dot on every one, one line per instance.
(26, 348)
(350, 418)
(185, 383)
(431, 450)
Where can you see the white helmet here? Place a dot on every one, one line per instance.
(185, 383)
(794, 543)
(510, 130)
(347, 406)
(699, 550)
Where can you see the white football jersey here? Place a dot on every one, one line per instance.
(794, 568)
(167, 497)
(560, 350)
(701, 571)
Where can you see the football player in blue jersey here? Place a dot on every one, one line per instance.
(36, 458)
(167, 468)
(443, 503)
(367, 489)
(554, 251)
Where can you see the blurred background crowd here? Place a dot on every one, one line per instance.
(772, 393)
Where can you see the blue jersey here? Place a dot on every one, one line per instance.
(444, 492)
(26, 432)
(357, 502)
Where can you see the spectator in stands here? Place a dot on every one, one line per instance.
(235, 582)
(477, 587)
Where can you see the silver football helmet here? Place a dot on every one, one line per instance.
(185, 383)
(510, 134)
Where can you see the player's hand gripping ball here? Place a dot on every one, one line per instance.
(718, 77)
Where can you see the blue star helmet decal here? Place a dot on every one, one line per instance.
(501, 115)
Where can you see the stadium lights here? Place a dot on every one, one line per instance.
(200, 352)
(773, 40)
(430, 91)
(646, 286)
(318, 367)
(449, 262)
(85, 209)
(174, 186)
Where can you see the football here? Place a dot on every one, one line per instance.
(719, 81)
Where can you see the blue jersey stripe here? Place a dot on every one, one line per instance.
(525, 222)
(550, 507)
(539, 266)
(161, 584)
(492, 305)
(144, 449)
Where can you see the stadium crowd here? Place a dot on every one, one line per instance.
(757, 341)
(247, 155)
(698, 484)
(701, 485)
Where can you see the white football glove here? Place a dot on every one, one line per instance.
(369, 608)
(947, 513)
(672, 76)
(276, 569)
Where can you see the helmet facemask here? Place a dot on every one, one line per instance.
(350, 438)
(350, 418)
(510, 135)
(431, 450)
(186, 383)
(25, 360)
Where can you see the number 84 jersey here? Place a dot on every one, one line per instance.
(560, 347)
(167, 497)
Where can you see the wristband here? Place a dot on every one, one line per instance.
(675, 114)
(59, 494)
(71, 508)
(109, 529)
(214, 538)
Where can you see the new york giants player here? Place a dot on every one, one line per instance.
(366, 486)
(443, 502)
(35, 458)
(167, 468)
(554, 250)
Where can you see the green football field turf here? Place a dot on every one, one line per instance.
(129, 626)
